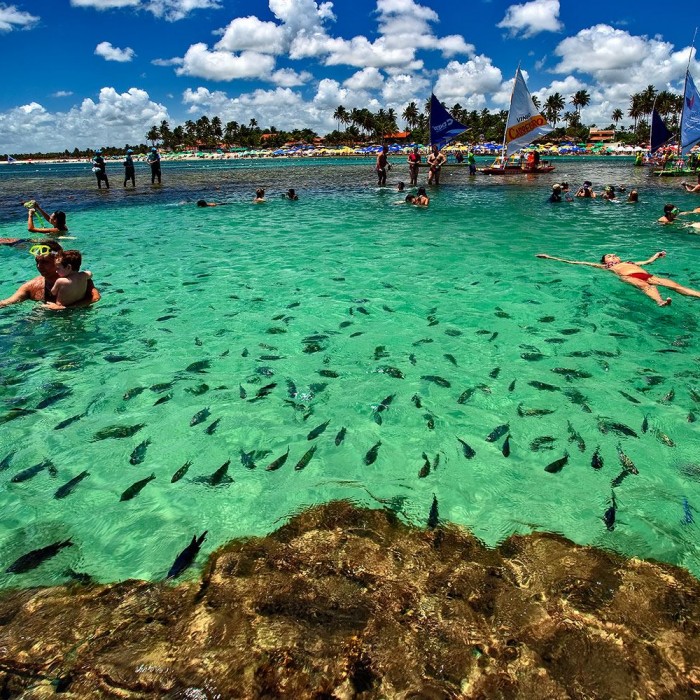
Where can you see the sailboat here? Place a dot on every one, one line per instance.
(525, 123)
(443, 126)
(10, 160)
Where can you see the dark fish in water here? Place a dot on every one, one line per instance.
(425, 469)
(263, 391)
(498, 432)
(532, 356)
(450, 358)
(388, 309)
(525, 412)
(383, 406)
(160, 388)
(453, 332)
(271, 358)
(318, 430)
(352, 335)
(545, 442)
(558, 464)
(186, 556)
(500, 313)
(695, 395)
(580, 353)
(666, 399)
(495, 372)
(380, 352)
(220, 476)
(466, 395)
(198, 342)
(265, 371)
(248, 458)
(277, 463)
(542, 386)
(645, 424)
(433, 515)
(54, 398)
(371, 456)
(493, 336)
(68, 421)
(340, 436)
(629, 397)
(130, 393)
(691, 417)
(118, 358)
(412, 359)
(68, 487)
(199, 417)
(688, 518)
(362, 310)
(163, 399)
(570, 374)
(301, 464)
(609, 515)
(467, 450)
(166, 317)
(555, 341)
(511, 386)
(429, 420)
(606, 426)
(317, 388)
(139, 453)
(436, 380)
(546, 319)
(576, 397)
(506, 447)
(15, 413)
(345, 324)
(30, 472)
(293, 305)
(211, 428)
(32, 559)
(570, 331)
(291, 389)
(626, 462)
(422, 341)
(575, 437)
(620, 478)
(181, 472)
(245, 352)
(242, 392)
(391, 371)
(597, 459)
(136, 488)
(6, 460)
(663, 438)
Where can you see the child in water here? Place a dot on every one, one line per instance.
(71, 285)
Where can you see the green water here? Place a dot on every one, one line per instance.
(233, 284)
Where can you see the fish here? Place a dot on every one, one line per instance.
(542, 386)
(380, 352)
(211, 428)
(511, 386)
(555, 341)
(139, 453)
(305, 459)
(68, 487)
(53, 398)
(575, 437)
(436, 380)
(495, 372)
(609, 515)
(69, 421)
(620, 478)
(7, 460)
(163, 399)
(318, 430)
(78, 577)
(498, 432)
(416, 400)
(558, 464)
(199, 417)
(500, 313)
(388, 309)
(186, 556)
(525, 412)
(691, 418)
(429, 420)
(545, 442)
(248, 459)
(570, 331)
(626, 462)
(32, 471)
(166, 317)
(391, 371)
(136, 488)
(453, 332)
(131, 393)
(532, 356)
(695, 395)
(506, 446)
(198, 390)
(220, 476)
(433, 515)
(371, 456)
(425, 469)
(597, 459)
(265, 371)
(264, 391)
(345, 324)
(663, 438)
(570, 374)
(293, 305)
(383, 406)
(606, 426)
(450, 358)
(688, 518)
(199, 367)
(493, 337)
(340, 436)
(466, 395)
(15, 413)
(576, 397)
(291, 389)
(198, 342)
(546, 319)
(271, 358)
(666, 399)
(645, 424)
(629, 397)
(32, 559)
(181, 472)
(412, 359)
(362, 310)
(245, 352)
(353, 335)
(467, 450)
(277, 463)
(118, 358)
(160, 388)
(115, 432)
(242, 392)
(422, 341)
(483, 332)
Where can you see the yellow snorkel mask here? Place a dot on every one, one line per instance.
(40, 249)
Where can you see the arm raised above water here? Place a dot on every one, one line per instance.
(570, 262)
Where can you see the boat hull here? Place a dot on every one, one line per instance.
(675, 173)
(517, 170)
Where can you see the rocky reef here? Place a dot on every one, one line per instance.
(349, 603)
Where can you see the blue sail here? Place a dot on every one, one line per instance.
(660, 134)
(690, 119)
(443, 127)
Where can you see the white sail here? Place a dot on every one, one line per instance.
(525, 123)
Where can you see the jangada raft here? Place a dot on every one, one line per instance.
(524, 125)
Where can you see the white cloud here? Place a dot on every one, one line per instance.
(62, 93)
(200, 62)
(114, 118)
(287, 77)
(453, 45)
(532, 18)
(167, 61)
(112, 53)
(367, 78)
(469, 82)
(251, 34)
(105, 4)
(403, 88)
(170, 10)
(12, 18)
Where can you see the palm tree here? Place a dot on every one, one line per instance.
(635, 111)
(648, 96)
(580, 99)
(341, 115)
(553, 105)
(536, 101)
(153, 135)
(617, 115)
(216, 130)
(410, 115)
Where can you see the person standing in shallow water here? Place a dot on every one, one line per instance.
(632, 273)
(129, 169)
(382, 166)
(414, 158)
(436, 160)
(99, 167)
(153, 159)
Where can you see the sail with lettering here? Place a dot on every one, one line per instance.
(443, 126)
(690, 116)
(525, 123)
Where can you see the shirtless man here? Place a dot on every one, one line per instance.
(632, 273)
(40, 288)
(382, 166)
(436, 159)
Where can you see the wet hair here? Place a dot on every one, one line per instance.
(633, 196)
(260, 192)
(60, 220)
(72, 258)
(421, 191)
(668, 208)
(291, 194)
(409, 198)
(54, 246)
(565, 185)
(401, 184)
(201, 203)
(602, 259)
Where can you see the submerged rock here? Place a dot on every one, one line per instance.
(343, 602)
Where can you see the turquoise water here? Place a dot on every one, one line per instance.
(346, 283)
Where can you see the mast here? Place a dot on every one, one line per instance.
(504, 159)
(685, 89)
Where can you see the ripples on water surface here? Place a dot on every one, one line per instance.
(344, 283)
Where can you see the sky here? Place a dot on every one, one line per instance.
(91, 73)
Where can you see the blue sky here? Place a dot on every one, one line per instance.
(100, 72)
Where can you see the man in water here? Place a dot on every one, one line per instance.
(153, 159)
(382, 165)
(99, 167)
(436, 160)
(632, 273)
(129, 169)
(692, 188)
(39, 288)
(671, 211)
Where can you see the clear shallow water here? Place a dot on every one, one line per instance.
(242, 284)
